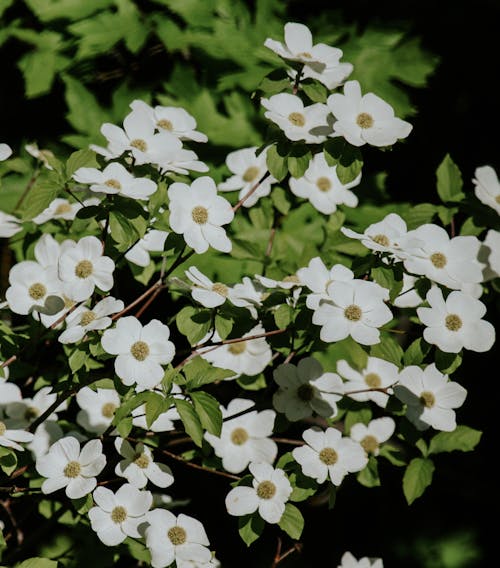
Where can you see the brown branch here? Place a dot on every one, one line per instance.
(199, 467)
(250, 192)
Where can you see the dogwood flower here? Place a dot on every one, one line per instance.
(11, 436)
(349, 561)
(25, 411)
(305, 389)
(365, 119)
(354, 308)
(245, 438)
(329, 455)
(9, 392)
(248, 357)
(42, 155)
(83, 267)
(181, 161)
(83, 319)
(138, 466)
(9, 225)
(491, 246)
(374, 382)
(268, 494)
(487, 187)
(60, 208)
(207, 293)
(141, 351)
(152, 241)
(430, 397)
(5, 152)
(408, 297)
(44, 436)
(198, 213)
(456, 323)
(65, 465)
(247, 169)
(298, 122)
(373, 434)
(248, 294)
(182, 538)
(119, 515)
(115, 178)
(97, 408)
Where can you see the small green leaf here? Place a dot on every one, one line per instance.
(388, 349)
(37, 562)
(283, 315)
(199, 372)
(208, 410)
(276, 163)
(194, 323)
(190, 420)
(8, 460)
(315, 90)
(122, 231)
(223, 325)
(124, 427)
(43, 192)
(347, 158)
(298, 160)
(417, 477)
(155, 405)
(448, 363)
(416, 352)
(369, 475)
(280, 201)
(363, 415)
(463, 439)
(250, 527)
(81, 159)
(449, 181)
(292, 521)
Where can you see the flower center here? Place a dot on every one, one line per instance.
(370, 444)
(62, 208)
(140, 350)
(353, 313)
(31, 412)
(324, 184)
(72, 469)
(297, 119)
(139, 144)
(165, 124)
(381, 240)
(84, 269)
(453, 322)
(118, 514)
(497, 198)
(114, 183)
(266, 490)
(220, 288)
(37, 291)
(250, 174)
(328, 456)
(177, 535)
(305, 54)
(292, 278)
(141, 460)
(108, 410)
(305, 392)
(373, 380)
(427, 399)
(364, 120)
(87, 317)
(237, 348)
(438, 260)
(199, 215)
(3, 428)
(239, 436)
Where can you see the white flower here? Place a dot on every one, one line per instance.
(171, 119)
(247, 169)
(115, 178)
(373, 434)
(408, 297)
(348, 561)
(97, 408)
(374, 382)
(456, 323)
(286, 283)
(119, 515)
(41, 155)
(152, 241)
(248, 294)
(452, 262)
(141, 351)
(180, 538)
(58, 208)
(321, 186)
(138, 467)
(198, 213)
(329, 455)
(317, 278)
(269, 492)
(354, 308)
(487, 188)
(5, 152)
(491, 245)
(83, 266)
(365, 119)
(10, 436)
(64, 465)
(305, 389)
(430, 397)
(9, 392)
(298, 122)
(245, 438)
(44, 436)
(204, 291)
(83, 319)
(181, 161)
(9, 225)
(25, 411)
(248, 357)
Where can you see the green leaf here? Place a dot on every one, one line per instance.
(51, 306)
(223, 325)
(463, 439)
(194, 323)
(292, 521)
(280, 201)
(39, 68)
(389, 278)
(124, 427)
(47, 10)
(122, 231)
(417, 477)
(37, 562)
(276, 163)
(369, 475)
(303, 486)
(388, 349)
(250, 527)
(8, 460)
(208, 410)
(346, 158)
(419, 215)
(352, 417)
(199, 372)
(298, 160)
(190, 420)
(43, 192)
(449, 181)
(315, 90)
(448, 363)
(81, 159)
(155, 405)
(77, 359)
(416, 352)
(283, 315)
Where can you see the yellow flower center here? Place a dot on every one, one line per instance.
(141, 460)
(438, 259)
(87, 317)
(62, 208)
(328, 456)
(114, 183)
(165, 124)
(353, 313)
(140, 350)
(139, 144)
(220, 288)
(84, 269)
(177, 535)
(324, 184)
(497, 198)
(304, 54)
(250, 174)
(237, 348)
(370, 444)
(118, 514)
(37, 291)
(427, 399)
(453, 322)
(239, 436)
(108, 410)
(199, 215)
(72, 469)
(297, 119)
(266, 490)
(373, 380)
(3, 428)
(364, 120)
(381, 240)
(292, 278)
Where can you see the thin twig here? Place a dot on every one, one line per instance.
(250, 192)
